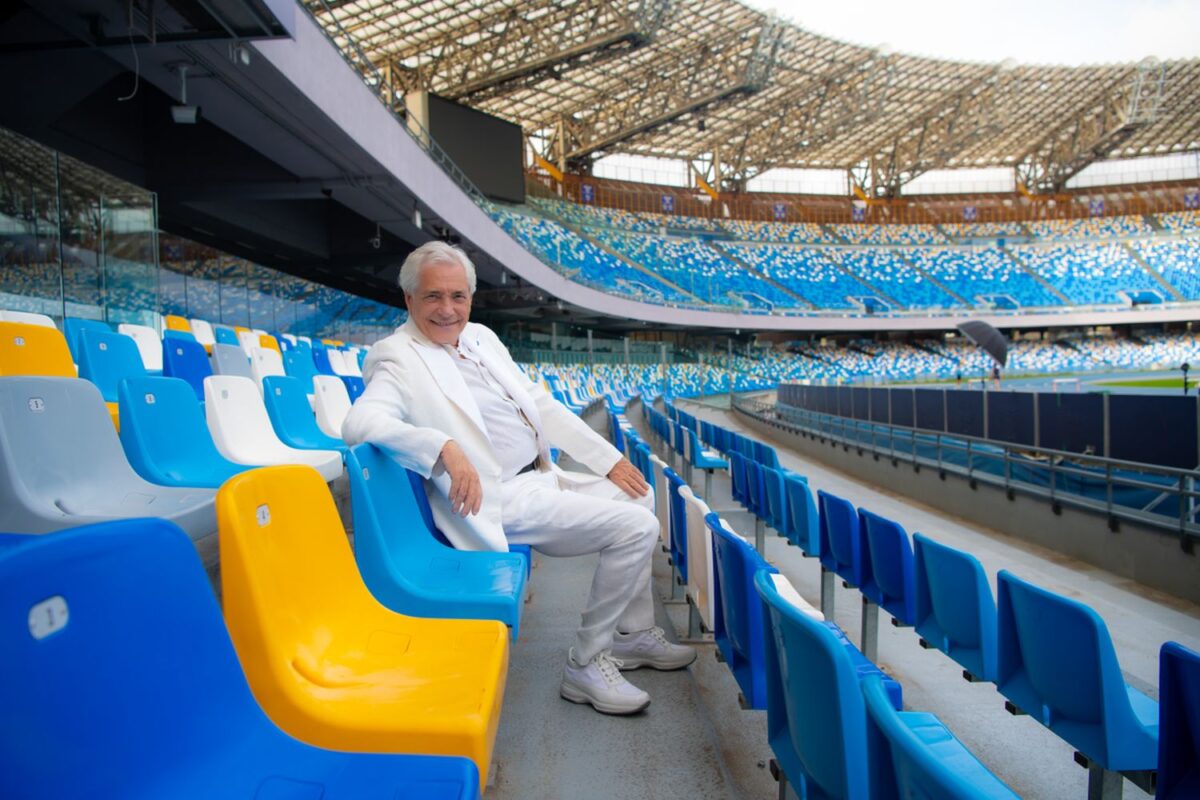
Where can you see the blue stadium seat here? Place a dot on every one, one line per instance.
(355, 386)
(61, 465)
(172, 333)
(223, 334)
(927, 761)
(678, 540)
(187, 361)
(737, 475)
(738, 628)
(816, 714)
(843, 545)
(292, 416)
(890, 581)
(165, 436)
(954, 609)
(298, 364)
(704, 460)
(805, 522)
(1056, 662)
(104, 698)
(106, 357)
(1179, 723)
(73, 328)
(321, 360)
(408, 570)
(775, 493)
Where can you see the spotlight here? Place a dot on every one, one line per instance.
(184, 114)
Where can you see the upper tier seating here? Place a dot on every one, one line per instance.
(979, 272)
(1088, 273)
(103, 702)
(889, 272)
(806, 271)
(328, 663)
(889, 234)
(1177, 260)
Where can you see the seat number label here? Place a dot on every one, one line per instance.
(48, 616)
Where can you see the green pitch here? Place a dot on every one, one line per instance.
(1152, 383)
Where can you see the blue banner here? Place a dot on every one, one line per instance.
(668, 203)
(587, 193)
(1191, 200)
(970, 213)
(781, 210)
(858, 213)
(1096, 206)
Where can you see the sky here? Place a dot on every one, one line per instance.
(1068, 32)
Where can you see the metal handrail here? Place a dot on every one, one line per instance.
(1055, 465)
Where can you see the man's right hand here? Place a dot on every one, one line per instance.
(466, 490)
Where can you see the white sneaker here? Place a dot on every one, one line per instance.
(650, 648)
(600, 683)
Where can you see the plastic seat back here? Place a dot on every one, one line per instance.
(1179, 729)
(890, 585)
(1056, 662)
(61, 464)
(27, 318)
(105, 358)
(264, 363)
(926, 760)
(954, 609)
(73, 328)
(678, 522)
(326, 660)
(739, 628)
(847, 553)
(298, 364)
(737, 474)
(204, 333)
(187, 361)
(756, 490)
(776, 497)
(223, 334)
(148, 342)
(699, 556)
(174, 322)
(34, 350)
(406, 568)
(92, 665)
(165, 436)
(229, 360)
(293, 420)
(331, 402)
(247, 340)
(816, 716)
(355, 386)
(662, 498)
(805, 521)
(175, 333)
(320, 359)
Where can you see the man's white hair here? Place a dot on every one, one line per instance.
(433, 252)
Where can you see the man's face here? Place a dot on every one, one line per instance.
(441, 305)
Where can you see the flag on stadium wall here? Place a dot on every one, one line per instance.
(668, 204)
(1192, 199)
(781, 211)
(587, 193)
(1096, 206)
(858, 213)
(970, 213)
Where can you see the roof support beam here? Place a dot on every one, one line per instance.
(1131, 102)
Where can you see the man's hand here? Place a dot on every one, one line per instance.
(466, 491)
(625, 475)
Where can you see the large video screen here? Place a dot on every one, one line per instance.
(486, 148)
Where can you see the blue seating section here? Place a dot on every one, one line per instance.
(187, 361)
(292, 417)
(92, 668)
(954, 609)
(1088, 273)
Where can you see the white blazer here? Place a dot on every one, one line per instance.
(416, 400)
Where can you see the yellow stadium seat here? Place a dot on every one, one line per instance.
(177, 323)
(269, 342)
(333, 342)
(240, 329)
(327, 662)
(34, 350)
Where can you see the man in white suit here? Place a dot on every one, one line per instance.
(445, 399)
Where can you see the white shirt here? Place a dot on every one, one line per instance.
(511, 435)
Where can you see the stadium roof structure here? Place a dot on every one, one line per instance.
(737, 92)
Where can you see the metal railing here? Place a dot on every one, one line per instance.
(1159, 497)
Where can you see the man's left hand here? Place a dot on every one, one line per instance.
(629, 478)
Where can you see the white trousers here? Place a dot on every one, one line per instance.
(590, 516)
